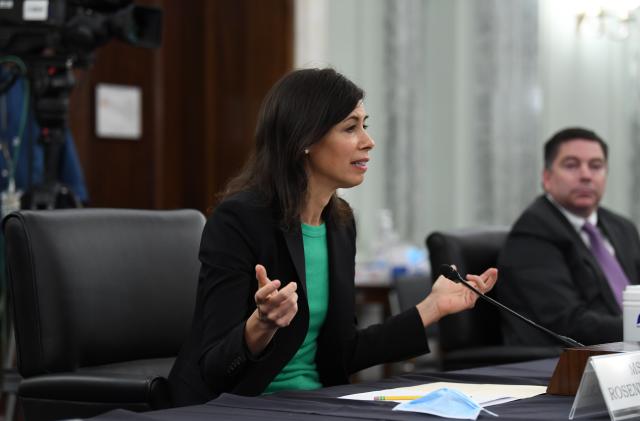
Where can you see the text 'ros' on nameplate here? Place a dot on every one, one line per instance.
(610, 383)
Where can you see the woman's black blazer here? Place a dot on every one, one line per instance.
(241, 233)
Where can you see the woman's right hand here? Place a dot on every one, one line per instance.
(275, 308)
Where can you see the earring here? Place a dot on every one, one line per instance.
(306, 151)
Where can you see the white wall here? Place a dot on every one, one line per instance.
(350, 31)
(587, 81)
(584, 80)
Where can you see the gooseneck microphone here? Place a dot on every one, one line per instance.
(450, 273)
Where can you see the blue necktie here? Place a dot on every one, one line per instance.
(608, 263)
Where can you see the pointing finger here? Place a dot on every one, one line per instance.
(283, 294)
(261, 276)
(266, 292)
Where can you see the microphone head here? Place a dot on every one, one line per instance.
(450, 273)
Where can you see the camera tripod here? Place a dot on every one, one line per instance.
(51, 81)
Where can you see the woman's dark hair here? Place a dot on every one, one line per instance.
(296, 113)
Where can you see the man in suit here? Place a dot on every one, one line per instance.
(567, 259)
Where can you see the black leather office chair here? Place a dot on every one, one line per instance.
(102, 300)
(410, 290)
(473, 338)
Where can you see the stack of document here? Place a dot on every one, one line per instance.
(483, 394)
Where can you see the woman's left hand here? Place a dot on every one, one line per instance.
(448, 297)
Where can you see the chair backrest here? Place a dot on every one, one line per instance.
(410, 290)
(472, 251)
(98, 286)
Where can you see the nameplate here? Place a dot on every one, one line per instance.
(610, 383)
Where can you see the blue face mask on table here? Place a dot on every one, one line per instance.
(445, 402)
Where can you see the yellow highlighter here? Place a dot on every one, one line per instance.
(395, 398)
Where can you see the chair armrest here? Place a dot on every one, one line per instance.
(111, 388)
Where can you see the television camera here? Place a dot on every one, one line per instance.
(51, 37)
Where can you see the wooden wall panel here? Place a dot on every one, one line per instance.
(242, 66)
(121, 173)
(201, 93)
(180, 109)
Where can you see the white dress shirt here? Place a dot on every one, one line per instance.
(578, 221)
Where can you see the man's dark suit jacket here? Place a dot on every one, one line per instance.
(241, 233)
(549, 274)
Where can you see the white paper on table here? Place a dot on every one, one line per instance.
(483, 394)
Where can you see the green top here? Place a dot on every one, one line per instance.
(301, 371)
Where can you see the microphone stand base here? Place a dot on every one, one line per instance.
(568, 372)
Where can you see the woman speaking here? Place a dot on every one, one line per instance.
(275, 303)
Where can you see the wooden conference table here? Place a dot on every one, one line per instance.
(323, 404)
